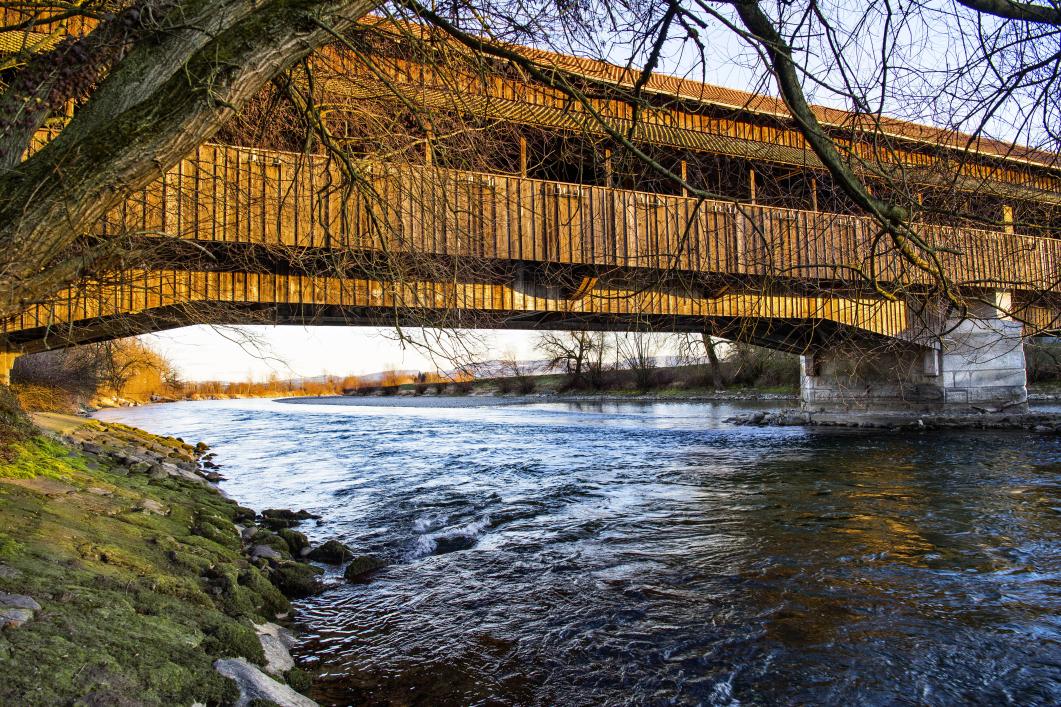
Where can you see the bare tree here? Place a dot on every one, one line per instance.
(513, 368)
(639, 352)
(122, 360)
(694, 348)
(577, 352)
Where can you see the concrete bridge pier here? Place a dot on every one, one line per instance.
(974, 364)
(7, 362)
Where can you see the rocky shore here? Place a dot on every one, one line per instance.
(127, 577)
(1044, 423)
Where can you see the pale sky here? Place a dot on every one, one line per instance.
(236, 353)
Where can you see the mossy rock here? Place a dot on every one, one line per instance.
(299, 680)
(271, 602)
(331, 552)
(217, 529)
(243, 514)
(295, 540)
(234, 639)
(361, 566)
(296, 579)
(287, 514)
(273, 540)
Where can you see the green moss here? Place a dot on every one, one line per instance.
(217, 529)
(273, 540)
(295, 540)
(40, 456)
(231, 639)
(136, 606)
(299, 680)
(296, 579)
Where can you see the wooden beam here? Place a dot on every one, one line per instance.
(522, 156)
(751, 185)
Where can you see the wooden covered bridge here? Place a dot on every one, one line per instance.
(505, 205)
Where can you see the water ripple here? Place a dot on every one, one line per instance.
(648, 554)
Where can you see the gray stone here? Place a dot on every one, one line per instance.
(20, 601)
(91, 448)
(14, 617)
(255, 685)
(276, 644)
(150, 505)
(9, 572)
(260, 551)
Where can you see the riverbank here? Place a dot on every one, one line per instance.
(126, 577)
(1040, 422)
(490, 399)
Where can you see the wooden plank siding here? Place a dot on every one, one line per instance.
(246, 195)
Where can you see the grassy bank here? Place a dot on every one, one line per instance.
(136, 567)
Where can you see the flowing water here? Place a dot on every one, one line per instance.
(582, 554)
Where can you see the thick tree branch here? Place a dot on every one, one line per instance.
(1021, 11)
(145, 127)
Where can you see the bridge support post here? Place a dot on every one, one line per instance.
(974, 364)
(7, 361)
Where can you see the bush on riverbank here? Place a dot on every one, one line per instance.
(139, 575)
(1044, 362)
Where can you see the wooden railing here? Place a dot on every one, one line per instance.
(248, 195)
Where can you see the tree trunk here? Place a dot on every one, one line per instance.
(712, 358)
(169, 95)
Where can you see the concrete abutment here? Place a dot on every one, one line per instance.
(968, 365)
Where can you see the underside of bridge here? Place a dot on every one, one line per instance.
(857, 352)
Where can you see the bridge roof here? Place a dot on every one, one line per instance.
(659, 84)
(690, 90)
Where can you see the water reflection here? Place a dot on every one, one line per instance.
(601, 553)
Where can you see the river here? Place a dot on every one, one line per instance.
(585, 554)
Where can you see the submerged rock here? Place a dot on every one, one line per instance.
(331, 552)
(361, 566)
(255, 685)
